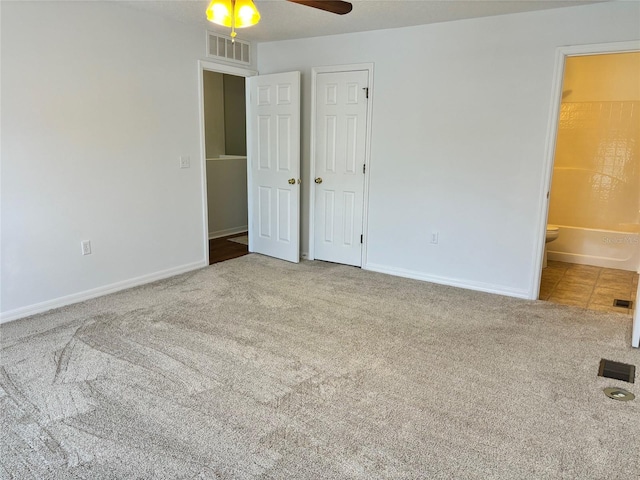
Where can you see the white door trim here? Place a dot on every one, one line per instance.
(204, 65)
(635, 333)
(312, 169)
(543, 202)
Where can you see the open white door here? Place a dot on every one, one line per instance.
(273, 156)
(635, 335)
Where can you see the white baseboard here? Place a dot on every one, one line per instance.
(452, 282)
(22, 312)
(228, 231)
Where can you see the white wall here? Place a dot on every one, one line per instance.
(227, 195)
(214, 124)
(98, 103)
(602, 78)
(235, 115)
(460, 118)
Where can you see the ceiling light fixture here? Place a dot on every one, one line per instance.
(233, 13)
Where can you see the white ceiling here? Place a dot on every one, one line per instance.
(282, 20)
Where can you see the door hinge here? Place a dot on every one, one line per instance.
(364, 168)
(366, 92)
(361, 238)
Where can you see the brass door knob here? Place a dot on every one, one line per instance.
(292, 181)
(318, 180)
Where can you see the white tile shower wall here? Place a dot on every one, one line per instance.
(596, 180)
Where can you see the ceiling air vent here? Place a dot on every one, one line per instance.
(221, 46)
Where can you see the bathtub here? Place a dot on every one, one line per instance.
(602, 248)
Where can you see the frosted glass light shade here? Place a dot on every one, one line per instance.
(245, 13)
(234, 14)
(220, 12)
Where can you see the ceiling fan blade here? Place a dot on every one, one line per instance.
(333, 6)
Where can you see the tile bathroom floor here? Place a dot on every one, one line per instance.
(588, 287)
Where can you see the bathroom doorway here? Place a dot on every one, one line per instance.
(594, 198)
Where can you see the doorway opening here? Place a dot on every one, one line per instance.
(594, 201)
(224, 145)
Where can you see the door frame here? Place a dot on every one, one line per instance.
(205, 65)
(552, 132)
(635, 331)
(310, 255)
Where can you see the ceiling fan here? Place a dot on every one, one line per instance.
(334, 6)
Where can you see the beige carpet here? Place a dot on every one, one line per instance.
(260, 369)
(244, 239)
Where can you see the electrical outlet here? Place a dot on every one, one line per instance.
(185, 162)
(434, 238)
(86, 247)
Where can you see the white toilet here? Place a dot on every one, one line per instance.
(553, 231)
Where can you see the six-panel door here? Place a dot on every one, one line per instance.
(340, 126)
(273, 110)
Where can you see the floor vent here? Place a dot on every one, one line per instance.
(617, 370)
(622, 303)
